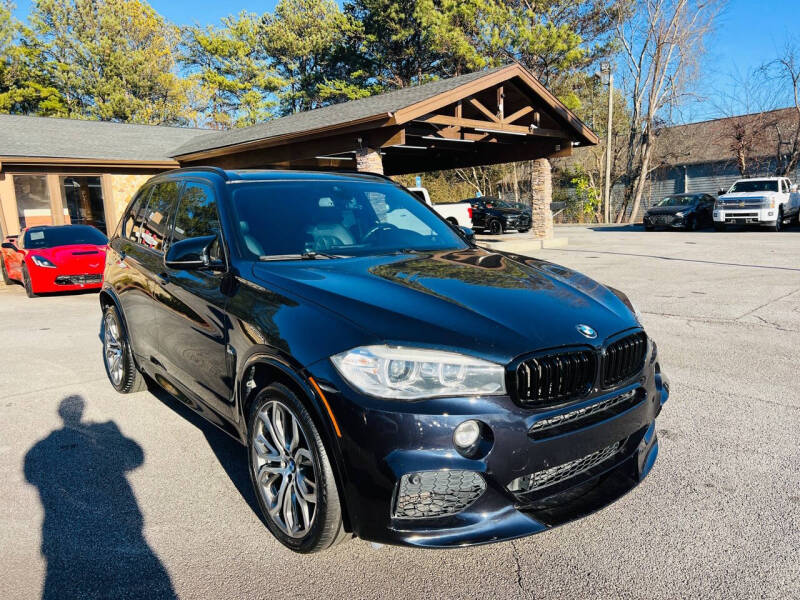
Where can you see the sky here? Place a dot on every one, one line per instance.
(748, 34)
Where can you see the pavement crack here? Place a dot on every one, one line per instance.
(518, 567)
(778, 299)
(718, 321)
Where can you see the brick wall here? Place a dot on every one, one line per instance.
(121, 188)
(542, 188)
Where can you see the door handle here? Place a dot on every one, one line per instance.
(162, 278)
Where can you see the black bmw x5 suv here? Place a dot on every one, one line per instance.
(390, 379)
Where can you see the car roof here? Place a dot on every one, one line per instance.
(761, 179)
(245, 175)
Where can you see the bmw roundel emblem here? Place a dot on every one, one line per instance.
(586, 331)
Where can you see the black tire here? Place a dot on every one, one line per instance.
(649, 228)
(6, 279)
(130, 380)
(26, 282)
(495, 227)
(692, 224)
(778, 226)
(523, 230)
(719, 226)
(326, 527)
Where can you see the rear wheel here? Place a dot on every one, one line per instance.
(117, 355)
(26, 281)
(719, 226)
(6, 278)
(495, 227)
(291, 473)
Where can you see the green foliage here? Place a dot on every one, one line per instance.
(99, 59)
(306, 41)
(232, 71)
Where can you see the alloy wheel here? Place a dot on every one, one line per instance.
(284, 469)
(112, 349)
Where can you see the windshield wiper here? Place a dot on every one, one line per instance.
(302, 256)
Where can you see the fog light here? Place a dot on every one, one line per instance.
(466, 434)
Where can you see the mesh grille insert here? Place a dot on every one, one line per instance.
(431, 494)
(553, 475)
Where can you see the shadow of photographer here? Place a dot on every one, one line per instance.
(92, 535)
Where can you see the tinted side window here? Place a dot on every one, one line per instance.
(129, 221)
(155, 222)
(197, 215)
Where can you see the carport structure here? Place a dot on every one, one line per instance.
(488, 117)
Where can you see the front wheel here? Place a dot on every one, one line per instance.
(27, 283)
(523, 230)
(778, 226)
(719, 226)
(495, 227)
(291, 473)
(117, 355)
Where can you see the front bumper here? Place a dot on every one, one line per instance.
(746, 216)
(664, 221)
(383, 441)
(45, 280)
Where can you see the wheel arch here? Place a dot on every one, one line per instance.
(267, 369)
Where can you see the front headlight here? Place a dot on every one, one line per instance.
(680, 215)
(41, 261)
(413, 373)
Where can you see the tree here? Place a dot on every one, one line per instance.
(306, 41)
(232, 71)
(662, 41)
(784, 71)
(22, 90)
(107, 59)
(394, 44)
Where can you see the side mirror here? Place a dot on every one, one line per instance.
(191, 253)
(8, 246)
(468, 234)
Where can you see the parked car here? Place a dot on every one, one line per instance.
(681, 211)
(57, 258)
(396, 383)
(493, 215)
(771, 202)
(456, 213)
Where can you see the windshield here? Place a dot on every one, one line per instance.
(349, 218)
(70, 235)
(758, 185)
(677, 201)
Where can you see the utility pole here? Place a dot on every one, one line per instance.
(605, 70)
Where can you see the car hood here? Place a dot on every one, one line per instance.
(491, 304)
(86, 256)
(668, 210)
(746, 195)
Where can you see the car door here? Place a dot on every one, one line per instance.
(14, 258)
(707, 210)
(190, 304)
(478, 215)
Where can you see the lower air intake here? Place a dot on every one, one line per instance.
(431, 494)
(553, 475)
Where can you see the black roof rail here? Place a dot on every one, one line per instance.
(217, 170)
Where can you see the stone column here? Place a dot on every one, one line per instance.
(369, 160)
(542, 195)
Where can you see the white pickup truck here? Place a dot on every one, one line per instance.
(768, 201)
(458, 213)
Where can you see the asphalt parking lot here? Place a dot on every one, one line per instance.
(136, 497)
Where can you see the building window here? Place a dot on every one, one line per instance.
(33, 200)
(83, 201)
